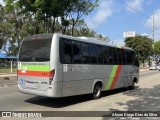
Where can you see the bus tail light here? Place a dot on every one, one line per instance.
(51, 76)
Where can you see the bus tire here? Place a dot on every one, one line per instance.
(132, 86)
(97, 91)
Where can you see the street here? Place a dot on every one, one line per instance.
(145, 97)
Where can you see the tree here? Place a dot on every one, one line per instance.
(142, 45)
(80, 8)
(157, 48)
(21, 18)
(157, 51)
(1, 26)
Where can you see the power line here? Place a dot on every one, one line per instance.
(134, 9)
(147, 16)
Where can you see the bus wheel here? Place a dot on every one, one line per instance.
(132, 86)
(97, 91)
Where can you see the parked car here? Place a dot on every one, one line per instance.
(153, 67)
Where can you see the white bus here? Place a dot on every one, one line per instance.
(56, 65)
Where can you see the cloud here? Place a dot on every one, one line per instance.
(1, 2)
(149, 23)
(144, 34)
(104, 11)
(135, 4)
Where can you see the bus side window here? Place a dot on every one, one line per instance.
(124, 56)
(135, 59)
(93, 53)
(77, 52)
(136, 63)
(115, 56)
(130, 57)
(66, 56)
(110, 52)
(100, 54)
(105, 55)
(85, 53)
(120, 56)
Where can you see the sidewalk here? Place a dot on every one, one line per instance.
(8, 79)
(143, 69)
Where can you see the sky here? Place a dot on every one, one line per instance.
(114, 17)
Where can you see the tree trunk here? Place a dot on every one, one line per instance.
(143, 64)
(53, 25)
(72, 29)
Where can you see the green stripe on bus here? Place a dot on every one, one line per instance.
(118, 46)
(36, 67)
(111, 77)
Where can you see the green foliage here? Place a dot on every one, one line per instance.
(142, 45)
(20, 18)
(157, 48)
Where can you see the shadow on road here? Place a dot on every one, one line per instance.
(67, 101)
(58, 102)
(148, 99)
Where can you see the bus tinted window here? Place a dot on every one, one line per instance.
(37, 50)
(120, 56)
(110, 52)
(130, 57)
(100, 54)
(136, 63)
(105, 55)
(66, 51)
(77, 53)
(123, 56)
(115, 55)
(85, 53)
(93, 53)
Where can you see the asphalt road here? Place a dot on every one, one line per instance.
(146, 96)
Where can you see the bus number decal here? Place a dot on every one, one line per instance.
(24, 70)
(65, 68)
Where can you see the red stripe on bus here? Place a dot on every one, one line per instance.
(116, 77)
(34, 73)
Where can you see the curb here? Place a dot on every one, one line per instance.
(7, 85)
(143, 70)
(8, 75)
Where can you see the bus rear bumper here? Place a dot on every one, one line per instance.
(52, 91)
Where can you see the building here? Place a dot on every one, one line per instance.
(5, 60)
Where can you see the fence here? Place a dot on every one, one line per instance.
(7, 63)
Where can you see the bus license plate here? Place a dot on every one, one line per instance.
(30, 85)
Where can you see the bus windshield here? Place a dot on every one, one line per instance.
(35, 49)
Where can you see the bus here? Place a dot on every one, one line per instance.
(57, 65)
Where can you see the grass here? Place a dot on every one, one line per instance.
(7, 70)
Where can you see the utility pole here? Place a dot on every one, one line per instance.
(154, 56)
(153, 29)
(152, 38)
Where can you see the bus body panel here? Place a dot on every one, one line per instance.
(73, 79)
(54, 92)
(78, 78)
(33, 77)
